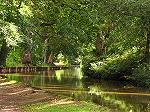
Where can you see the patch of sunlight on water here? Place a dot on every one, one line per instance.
(59, 73)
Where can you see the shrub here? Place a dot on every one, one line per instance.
(114, 66)
(141, 75)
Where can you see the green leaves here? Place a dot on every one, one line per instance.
(10, 33)
(25, 10)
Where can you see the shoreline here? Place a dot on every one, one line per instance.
(18, 97)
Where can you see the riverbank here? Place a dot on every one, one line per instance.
(128, 66)
(18, 97)
(15, 94)
(65, 106)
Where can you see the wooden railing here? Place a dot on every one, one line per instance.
(30, 69)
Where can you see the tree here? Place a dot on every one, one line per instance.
(9, 37)
(138, 9)
(14, 22)
(55, 28)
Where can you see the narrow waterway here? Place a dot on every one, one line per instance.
(120, 96)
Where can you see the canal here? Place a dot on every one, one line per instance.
(120, 96)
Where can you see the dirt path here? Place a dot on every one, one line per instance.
(13, 95)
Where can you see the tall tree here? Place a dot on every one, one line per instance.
(134, 8)
(12, 22)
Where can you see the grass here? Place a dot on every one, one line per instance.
(73, 107)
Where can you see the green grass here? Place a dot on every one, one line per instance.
(76, 107)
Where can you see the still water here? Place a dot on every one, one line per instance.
(119, 96)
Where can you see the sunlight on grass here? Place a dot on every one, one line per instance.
(8, 83)
(75, 107)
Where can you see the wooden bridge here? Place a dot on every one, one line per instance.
(32, 69)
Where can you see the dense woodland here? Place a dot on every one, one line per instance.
(111, 38)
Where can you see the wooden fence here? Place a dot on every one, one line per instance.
(30, 69)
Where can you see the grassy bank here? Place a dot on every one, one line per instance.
(65, 107)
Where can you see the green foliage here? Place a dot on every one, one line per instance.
(128, 35)
(47, 15)
(13, 25)
(115, 66)
(14, 58)
(141, 75)
(10, 33)
(70, 28)
(25, 10)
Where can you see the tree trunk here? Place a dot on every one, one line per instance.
(147, 50)
(27, 58)
(51, 59)
(3, 53)
(100, 47)
(45, 51)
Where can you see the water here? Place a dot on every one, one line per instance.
(119, 96)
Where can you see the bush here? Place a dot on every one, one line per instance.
(14, 58)
(114, 66)
(141, 75)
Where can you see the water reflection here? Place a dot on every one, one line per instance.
(120, 96)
